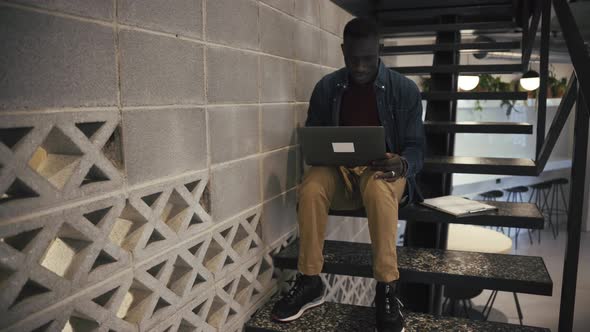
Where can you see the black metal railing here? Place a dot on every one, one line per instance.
(578, 92)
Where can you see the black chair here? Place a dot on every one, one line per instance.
(490, 303)
(540, 196)
(458, 303)
(493, 195)
(554, 209)
(515, 196)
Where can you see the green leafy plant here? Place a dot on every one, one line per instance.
(489, 83)
(556, 87)
(425, 83)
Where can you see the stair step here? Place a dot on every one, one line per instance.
(429, 48)
(478, 127)
(480, 165)
(363, 8)
(337, 317)
(497, 12)
(422, 29)
(445, 95)
(464, 69)
(421, 4)
(511, 273)
(521, 215)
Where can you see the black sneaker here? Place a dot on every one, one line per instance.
(389, 317)
(306, 293)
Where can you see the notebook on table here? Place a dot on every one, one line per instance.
(457, 205)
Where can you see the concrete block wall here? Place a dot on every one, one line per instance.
(148, 157)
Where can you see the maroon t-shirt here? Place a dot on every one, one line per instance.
(359, 106)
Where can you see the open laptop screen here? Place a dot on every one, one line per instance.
(342, 146)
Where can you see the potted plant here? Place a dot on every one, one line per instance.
(555, 87)
(425, 83)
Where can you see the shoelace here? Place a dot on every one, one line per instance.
(295, 290)
(392, 305)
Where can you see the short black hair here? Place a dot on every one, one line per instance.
(359, 28)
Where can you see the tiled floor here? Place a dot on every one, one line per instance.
(543, 311)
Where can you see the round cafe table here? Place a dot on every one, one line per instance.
(477, 239)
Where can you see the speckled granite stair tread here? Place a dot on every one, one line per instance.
(351, 318)
(521, 215)
(523, 274)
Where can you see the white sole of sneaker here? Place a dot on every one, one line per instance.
(306, 307)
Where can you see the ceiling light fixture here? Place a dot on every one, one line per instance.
(530, 80)
(468, 82)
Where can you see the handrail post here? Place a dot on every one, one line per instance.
(563, 111)
(574, 222)
(575, 44)
(544, 74)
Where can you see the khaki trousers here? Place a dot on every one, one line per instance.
(322, 189)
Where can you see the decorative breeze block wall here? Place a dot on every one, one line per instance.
(148, 158)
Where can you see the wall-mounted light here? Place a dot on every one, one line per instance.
(530, 80)
(467, 83)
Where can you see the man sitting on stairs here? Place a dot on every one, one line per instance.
(364, 93)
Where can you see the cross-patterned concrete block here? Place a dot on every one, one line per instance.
(178, 16)
(35, 72)
(54, 158)
(233, 242)
(56, 255)
(192, 317)
(240, 291)
(158, 216)
(98, 308)
(168, 279)
(222, 306)
(349, 290)
(346, 228)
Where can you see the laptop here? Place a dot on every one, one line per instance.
(342, 146)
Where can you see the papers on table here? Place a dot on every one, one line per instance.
(457, 205)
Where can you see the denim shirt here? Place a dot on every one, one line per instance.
(399, 106)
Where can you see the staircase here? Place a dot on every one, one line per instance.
(436, 265)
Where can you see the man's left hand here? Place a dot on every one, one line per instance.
(389, 168)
